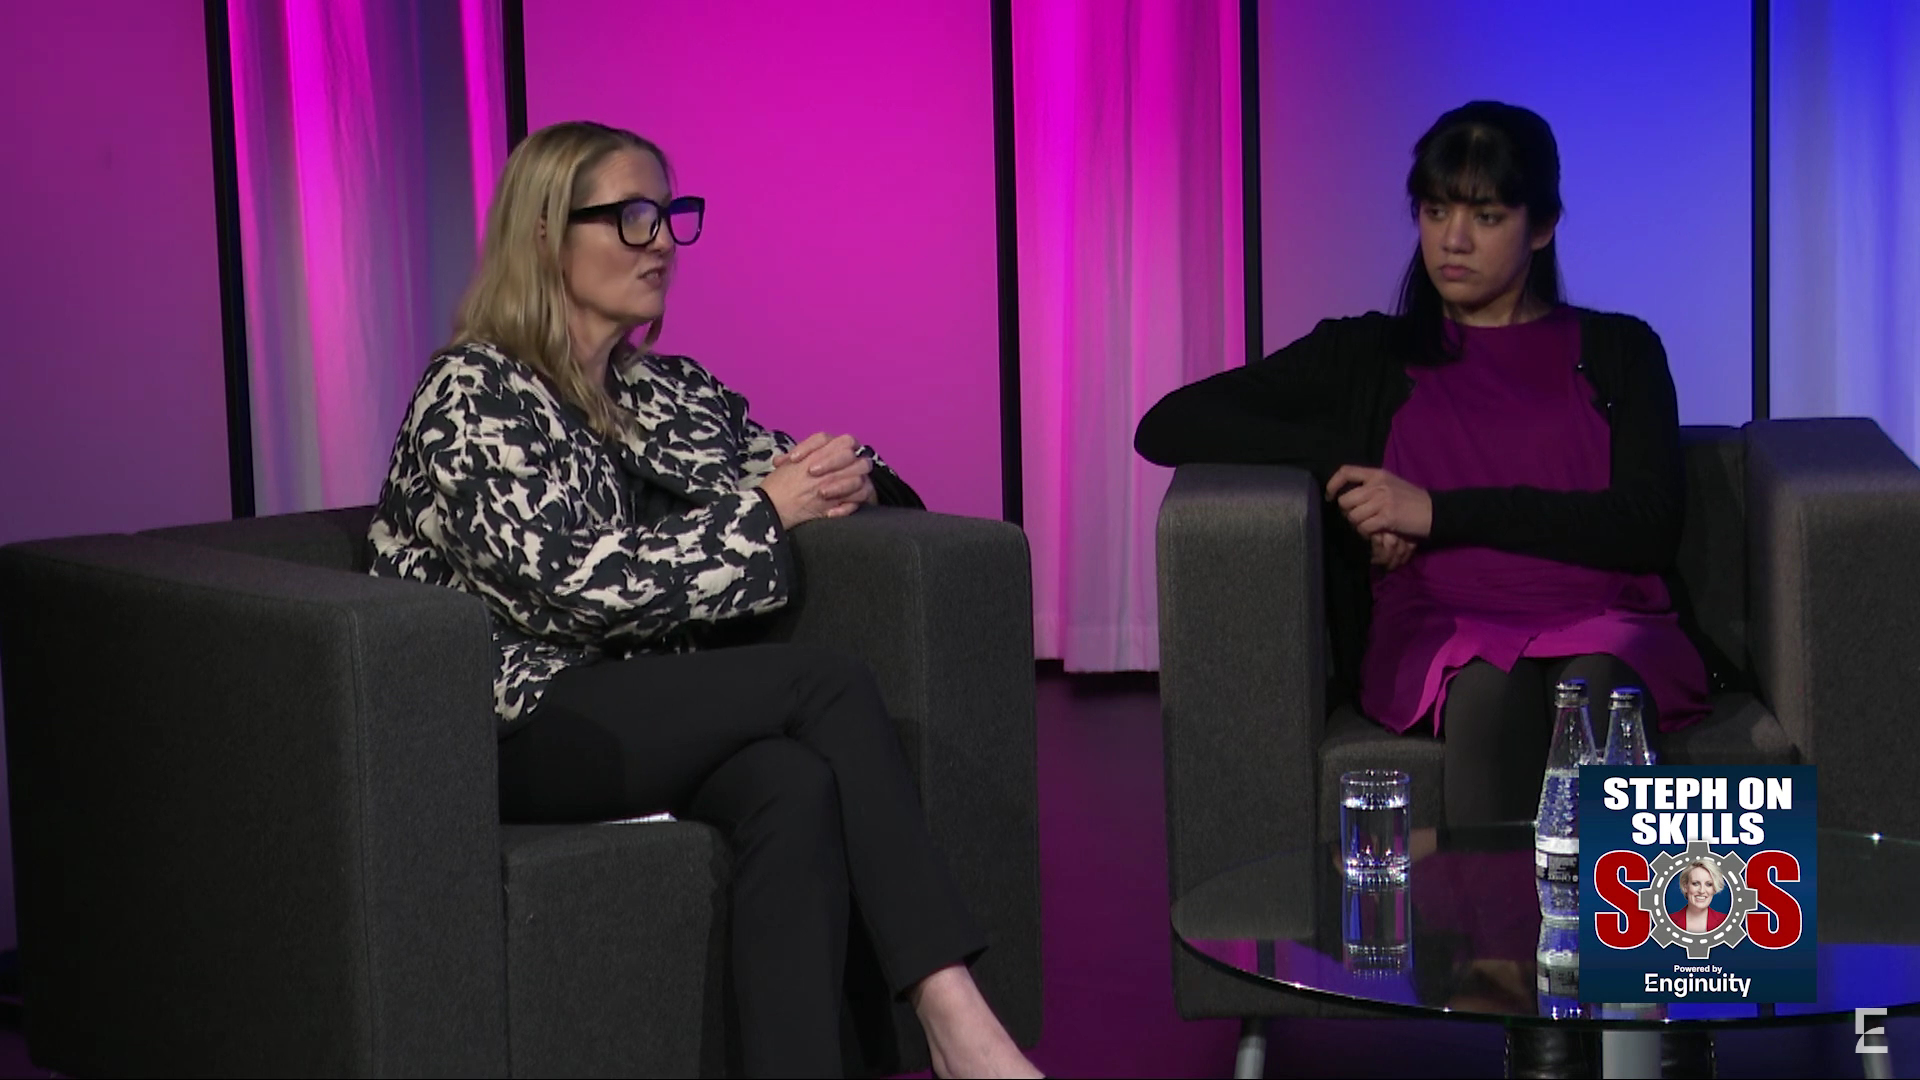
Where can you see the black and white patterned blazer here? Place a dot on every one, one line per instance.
(582, 549)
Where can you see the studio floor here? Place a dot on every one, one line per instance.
(1109, 1001)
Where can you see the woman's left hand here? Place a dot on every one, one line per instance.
(843, 473)
(1381, 502)
(1391, 551)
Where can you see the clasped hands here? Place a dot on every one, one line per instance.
(821, 477)
(1390, 512)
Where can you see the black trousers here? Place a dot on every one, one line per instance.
(789, 751)
(1497, 726)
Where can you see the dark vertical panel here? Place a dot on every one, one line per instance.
(1762, 251)
(513, 42)
(233, 295)
(1251, 241)
(1012, 486)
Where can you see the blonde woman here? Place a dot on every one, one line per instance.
(611, 505)
(1699, 884)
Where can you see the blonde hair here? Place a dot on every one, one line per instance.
(518, 301)
(1713, 872)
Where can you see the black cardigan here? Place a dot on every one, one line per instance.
(1329, 400)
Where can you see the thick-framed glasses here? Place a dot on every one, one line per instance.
(639, 219)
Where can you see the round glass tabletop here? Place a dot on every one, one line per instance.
(1461, 937)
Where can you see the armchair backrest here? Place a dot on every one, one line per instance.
(1711, 568)
(331, 539)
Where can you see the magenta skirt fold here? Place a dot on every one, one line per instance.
(1418, 648)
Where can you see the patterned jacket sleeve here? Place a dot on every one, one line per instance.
(518, 536)
(758, 447)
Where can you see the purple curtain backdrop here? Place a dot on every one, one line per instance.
(112, 412)
(1651, 104)
(1845, 144)
(1127, 148)
(846, 280)
(368, 137)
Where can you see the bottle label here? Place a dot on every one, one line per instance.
(1556, 866)
(1556, 981)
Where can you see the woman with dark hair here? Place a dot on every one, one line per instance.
(1508, 475)
(1508, 465)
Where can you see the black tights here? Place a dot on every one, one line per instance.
(1496, 728)
(1497, 725)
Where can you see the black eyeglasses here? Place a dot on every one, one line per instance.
(639, 219)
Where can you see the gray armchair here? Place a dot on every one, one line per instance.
(256, 824)
(1801, 557)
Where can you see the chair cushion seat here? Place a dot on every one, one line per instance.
(607, 924)
(1740, 731)
(1354, 742)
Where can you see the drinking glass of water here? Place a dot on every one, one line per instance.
(1376, 930)
(1374, 822)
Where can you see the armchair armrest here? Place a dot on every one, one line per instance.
(255, 813)
(1833, 530)
(941, 608)
(1242, 664)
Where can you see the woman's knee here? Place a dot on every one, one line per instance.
(798, 782)
(1604, 673)
(840, 692)
(835, 669)
(771, 787)
(1482, 698)
(780, 808)
(1479, 678)
(808, 665)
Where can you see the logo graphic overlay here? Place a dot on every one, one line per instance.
(1860, 1028)
(1697, 884)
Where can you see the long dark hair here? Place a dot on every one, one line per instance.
(1481, 151)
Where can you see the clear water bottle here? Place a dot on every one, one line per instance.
(1556, 969)
(1556, 831)
(1627, 742)
(1559, 900)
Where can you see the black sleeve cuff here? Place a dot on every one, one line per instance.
(894, 491)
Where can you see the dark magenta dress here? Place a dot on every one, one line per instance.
(1514, 410)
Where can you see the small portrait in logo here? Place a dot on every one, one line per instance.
(1690, 899)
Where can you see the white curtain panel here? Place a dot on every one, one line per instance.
(1845, 150)
(1127, 155)
(368, 136)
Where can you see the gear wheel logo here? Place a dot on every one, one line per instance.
(1742, 900)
